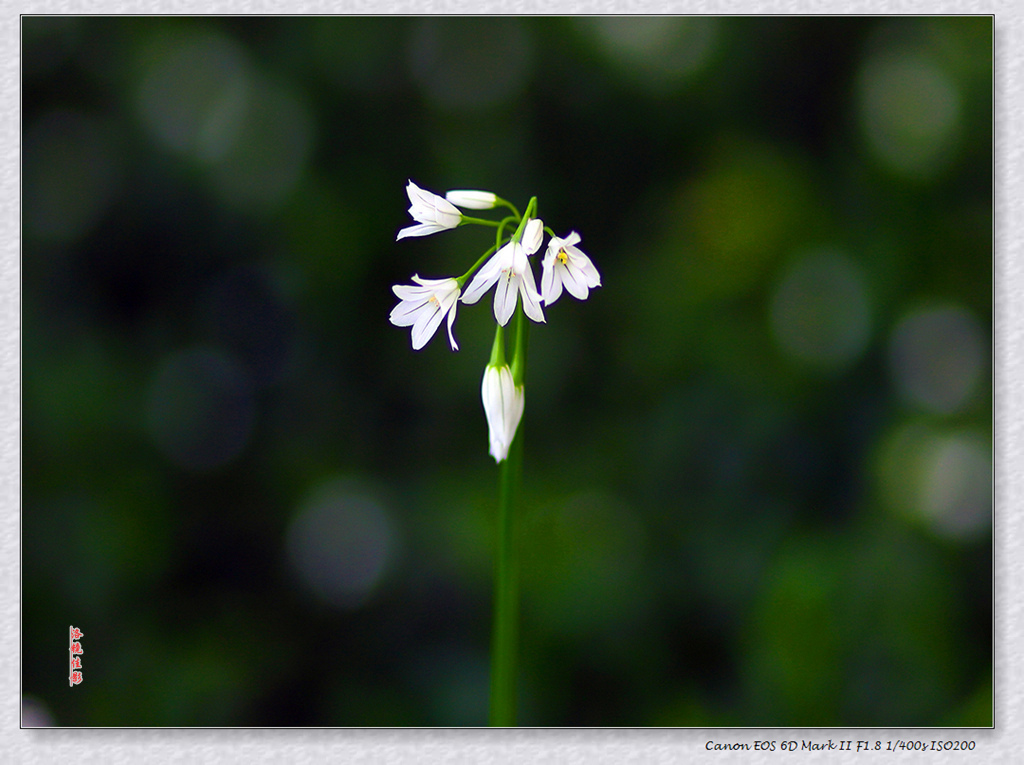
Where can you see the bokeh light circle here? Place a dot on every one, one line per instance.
(200, 97)
(340, 543)
(937, 358)
(957, 495)
(820, 313)
(658, 53)
(462, 64)
(193, 93)
(909, 112)
(939, 478)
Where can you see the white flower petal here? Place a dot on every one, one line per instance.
(490, 392)
(422, 229)
(417, 196)
(451, 320)
(589, 271)
(515, 414)
(516, 260)
(488, 274)
(533, 235)
(550, 285)
(472, 199)
(407, 291)
(448, 218)
(508, 398)
(476, 289)
(531, 306)
(482, 281)
(428, 203)
(570, 240)
(447, 283)
(423, 288)
(545, 278)
(405, 313)
(531, 300)
(434, 213)
(503, 408)
(426, 325)
(505, 295)
(574, 281)
(507, 259)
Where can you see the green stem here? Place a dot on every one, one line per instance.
(480, 261)
(518, 365)
(505, 203)
(462, 279)
(505, 638)
(531, 210)
(499, 234)
(478, 221)
(498, 348)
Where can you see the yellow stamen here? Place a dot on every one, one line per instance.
(563, 257)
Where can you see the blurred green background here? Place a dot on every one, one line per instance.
(758, 459)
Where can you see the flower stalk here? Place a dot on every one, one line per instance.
(505, 632)
(424, 306)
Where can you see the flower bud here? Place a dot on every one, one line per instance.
(472, 200)
(503, 407)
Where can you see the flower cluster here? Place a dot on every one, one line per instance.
(425, 305)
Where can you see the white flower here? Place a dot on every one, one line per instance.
(431, 212)
(472, 200)
(503, 406)
(565, 264)
(423, 307)
(511, 271)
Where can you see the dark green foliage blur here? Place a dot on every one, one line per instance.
(758, 459)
